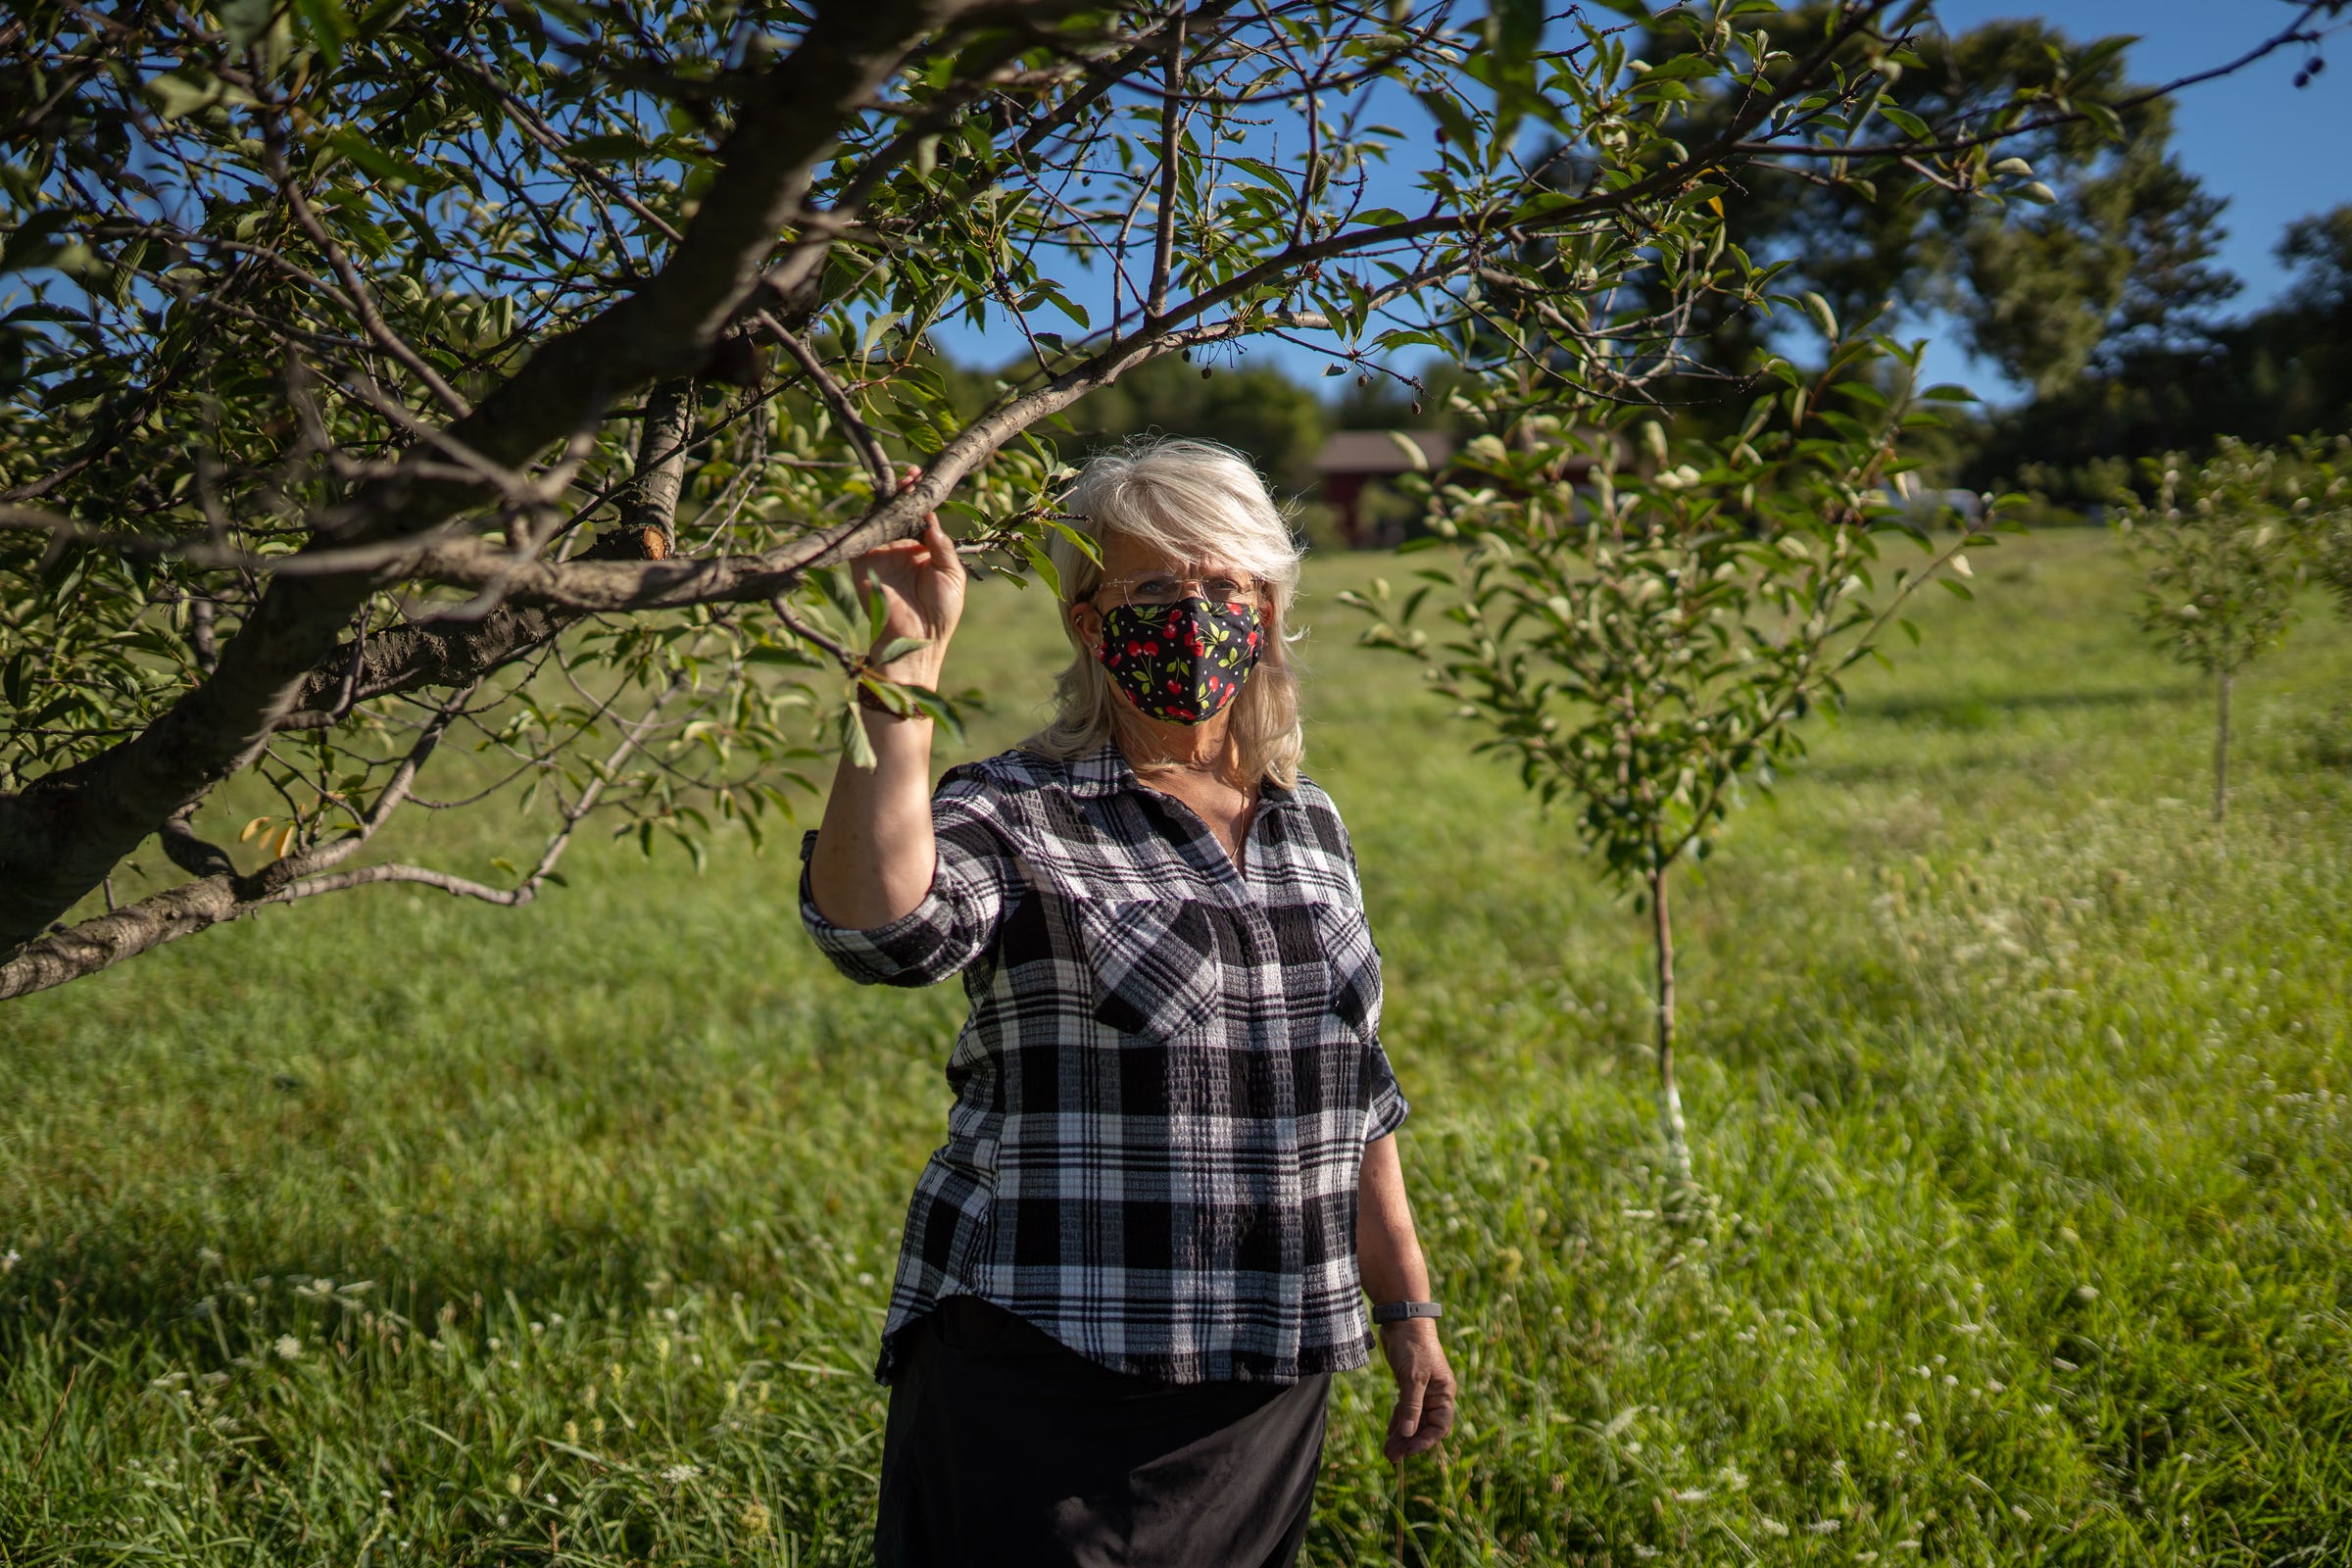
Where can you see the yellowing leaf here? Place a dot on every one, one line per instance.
(286, 842)
(1960, 564)
(250, 828)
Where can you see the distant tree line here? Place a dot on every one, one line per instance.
(2094, 286)
(2273, 373)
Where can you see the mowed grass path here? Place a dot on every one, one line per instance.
(390, 1229)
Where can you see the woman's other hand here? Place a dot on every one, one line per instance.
(1389, 1256)
(921, 581)
(1424, 1411)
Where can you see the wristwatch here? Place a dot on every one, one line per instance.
(1398, 1312)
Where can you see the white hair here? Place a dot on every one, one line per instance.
(1195, 500)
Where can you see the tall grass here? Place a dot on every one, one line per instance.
(393, 1230)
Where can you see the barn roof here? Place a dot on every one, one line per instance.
(1382, 451)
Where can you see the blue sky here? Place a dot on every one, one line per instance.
(2274, 150)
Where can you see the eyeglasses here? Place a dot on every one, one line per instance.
(1159, 589)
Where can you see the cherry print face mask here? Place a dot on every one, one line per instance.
(1184, 662)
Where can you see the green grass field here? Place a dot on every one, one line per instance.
(390, 1229)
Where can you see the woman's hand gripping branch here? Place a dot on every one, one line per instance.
(874, 855)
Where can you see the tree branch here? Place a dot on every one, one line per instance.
(648, 512)
(60, 838)
(1171, 132)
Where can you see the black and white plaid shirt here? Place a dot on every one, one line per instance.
(1168, 1080)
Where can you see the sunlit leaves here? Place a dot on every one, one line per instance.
(2227, 543)
(1642, 620)
(264, 255)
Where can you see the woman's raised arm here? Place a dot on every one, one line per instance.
(874, 855)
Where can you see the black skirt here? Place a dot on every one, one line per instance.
(1004, 1446)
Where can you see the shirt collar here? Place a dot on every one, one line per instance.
(1104, 770)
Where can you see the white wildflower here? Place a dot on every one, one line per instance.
(1771, 1526)
(287, 1346)
(1824, 1527)
(678, 1474)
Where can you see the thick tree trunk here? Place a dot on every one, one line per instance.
(1670, 1098)
(2221, 754)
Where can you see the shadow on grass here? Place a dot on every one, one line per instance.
(1975, 711)
(122, 1286)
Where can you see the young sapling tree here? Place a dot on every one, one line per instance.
(2226, 544)
(1644, 635)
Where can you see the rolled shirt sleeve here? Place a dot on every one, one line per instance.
(955, 922)
(1389, 1105)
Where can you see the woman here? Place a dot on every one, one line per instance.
(1170, 1172)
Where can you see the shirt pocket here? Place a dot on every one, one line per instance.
(1353, 959)
(1156, 964)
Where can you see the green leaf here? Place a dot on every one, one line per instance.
(1086, 546)
(177, 96)
(1909, 123)
(328, 25)
(1822, 316)
(896, 648)
(244, 21)
(1042, 564)
(375, 160)
(1452, 118)
(855, 742)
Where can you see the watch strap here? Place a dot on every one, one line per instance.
(1399, 1311)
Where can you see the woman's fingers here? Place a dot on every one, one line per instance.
(1436, 1412)
(1424, 1411)
(1405, 1422)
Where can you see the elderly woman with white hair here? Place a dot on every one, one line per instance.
(1170, 1175)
